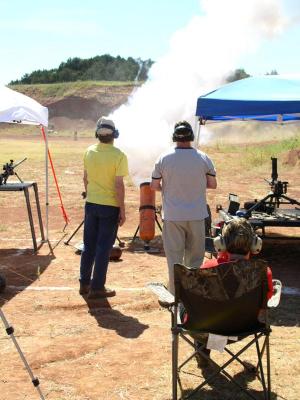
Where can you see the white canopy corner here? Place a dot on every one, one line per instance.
(15, 107)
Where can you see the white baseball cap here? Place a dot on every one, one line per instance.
(105, 126)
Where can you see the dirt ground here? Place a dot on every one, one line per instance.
(120, 348)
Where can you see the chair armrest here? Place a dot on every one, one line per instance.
(165, 298)
(275, 299)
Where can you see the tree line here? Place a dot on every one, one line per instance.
(103, 68)
(240, 73)
(99, 68)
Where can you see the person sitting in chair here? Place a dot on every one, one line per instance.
(238, 241)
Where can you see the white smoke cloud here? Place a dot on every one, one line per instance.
(200, 56)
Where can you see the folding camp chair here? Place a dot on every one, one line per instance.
(223, 305)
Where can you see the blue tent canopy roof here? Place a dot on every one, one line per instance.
(266, 98)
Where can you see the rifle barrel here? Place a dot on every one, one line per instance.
(19, 162)
(274, 170)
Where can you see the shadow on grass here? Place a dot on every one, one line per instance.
(20, 268)
(287, 313)
(221, 388)
(283, 258)
(109, 318)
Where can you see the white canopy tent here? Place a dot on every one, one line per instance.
(17, 108)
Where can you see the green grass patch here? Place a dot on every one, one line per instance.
(63, 89)
(29, 131)
(23, 130)
(34, 150)
(259, 154)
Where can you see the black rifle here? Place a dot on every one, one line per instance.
(8, 169)
(275, 198)
(277, 187)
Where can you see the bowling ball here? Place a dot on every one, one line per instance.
(115, 253)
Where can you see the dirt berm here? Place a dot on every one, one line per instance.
(77, 105)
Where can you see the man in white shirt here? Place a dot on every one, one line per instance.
(182, 175)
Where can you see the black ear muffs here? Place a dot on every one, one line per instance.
(183, 133)
(256, 245)
(115, 132)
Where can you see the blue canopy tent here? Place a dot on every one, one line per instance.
(266, 98)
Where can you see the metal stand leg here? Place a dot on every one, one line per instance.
(268, 367)
(30, 218)
(174, 354)
(38, 207)
(74, 233)
(158, 223)
(10, 331)
(292, 201)
(138, 228)
(135, 233)
(121, 244)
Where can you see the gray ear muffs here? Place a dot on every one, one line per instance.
(115, 132)
(219, 243)
(256, 245)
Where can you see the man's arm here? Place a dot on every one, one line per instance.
(156, 184)
(211, 182)
(85, 180)
(120, 192)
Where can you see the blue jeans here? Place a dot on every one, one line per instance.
(100, 231)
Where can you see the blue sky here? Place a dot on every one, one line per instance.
(40, 35)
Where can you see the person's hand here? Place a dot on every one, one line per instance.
(122, 217)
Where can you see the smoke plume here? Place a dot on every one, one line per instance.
(199, 58)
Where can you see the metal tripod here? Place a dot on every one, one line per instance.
(147, 247)
(121, 244)
(10, 331)
(276, 197)
(272, 201)
(138, 228)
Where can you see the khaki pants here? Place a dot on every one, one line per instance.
(184, 242)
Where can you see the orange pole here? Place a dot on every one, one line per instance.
(65, 216)
(147, 212)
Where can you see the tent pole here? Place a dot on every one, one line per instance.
(45, 131)
(197, 129)
(47, 188)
